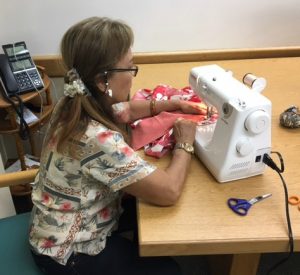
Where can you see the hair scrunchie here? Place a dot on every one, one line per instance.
(75, 85)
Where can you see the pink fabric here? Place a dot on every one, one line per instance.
(155, 133)
(165, 92)
(151, 128)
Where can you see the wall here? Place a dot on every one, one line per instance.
(159, 25)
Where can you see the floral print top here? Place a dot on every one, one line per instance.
(77, 201)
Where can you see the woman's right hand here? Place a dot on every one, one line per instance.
(164, 186)
(185, 130)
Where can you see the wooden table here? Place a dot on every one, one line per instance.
(201, 223)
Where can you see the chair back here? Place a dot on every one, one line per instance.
(15, 253)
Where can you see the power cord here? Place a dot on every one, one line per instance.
(268, 161)
(23, 126)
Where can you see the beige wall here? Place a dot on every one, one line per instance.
(159, 25)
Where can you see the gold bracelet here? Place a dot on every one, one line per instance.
(152, 107)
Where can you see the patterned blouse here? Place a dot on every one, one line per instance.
(77, 201)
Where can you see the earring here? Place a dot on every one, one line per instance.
(109, 92)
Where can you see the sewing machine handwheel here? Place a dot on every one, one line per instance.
(257, 122)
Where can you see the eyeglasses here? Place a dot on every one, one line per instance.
(133, 70)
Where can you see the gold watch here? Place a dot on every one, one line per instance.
(185, 146)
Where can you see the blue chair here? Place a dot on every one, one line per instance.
(15, 254)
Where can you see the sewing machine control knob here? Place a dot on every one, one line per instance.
(257, 122)
(244, 147)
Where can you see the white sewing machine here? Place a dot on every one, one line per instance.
(234, 146)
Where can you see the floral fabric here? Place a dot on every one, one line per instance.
(155, 133)
(77, 201)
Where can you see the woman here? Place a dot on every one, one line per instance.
(87, 164)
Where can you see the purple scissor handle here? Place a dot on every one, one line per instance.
(241, 206)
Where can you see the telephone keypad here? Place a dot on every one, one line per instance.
(25, 84)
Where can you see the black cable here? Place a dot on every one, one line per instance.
(23, 126)
(24, 129)
(268, 161)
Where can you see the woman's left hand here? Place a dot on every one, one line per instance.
(189, 107)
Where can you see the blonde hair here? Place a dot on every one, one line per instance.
(91, 46)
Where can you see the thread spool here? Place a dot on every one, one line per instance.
(254, 82)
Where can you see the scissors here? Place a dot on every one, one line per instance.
(242, 206)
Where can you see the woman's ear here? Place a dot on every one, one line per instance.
(101, 86)
(100, 83)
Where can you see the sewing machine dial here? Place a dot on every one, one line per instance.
(244, 147)
(257, 122)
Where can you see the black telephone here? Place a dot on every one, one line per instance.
(18, 73)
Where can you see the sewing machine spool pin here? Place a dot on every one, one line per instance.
(257, 84)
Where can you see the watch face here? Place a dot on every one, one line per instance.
(185, 146)
(189, 147)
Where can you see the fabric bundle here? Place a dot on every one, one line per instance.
(155, 133)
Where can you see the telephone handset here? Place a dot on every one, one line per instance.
(7, 79)
(18, 73)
